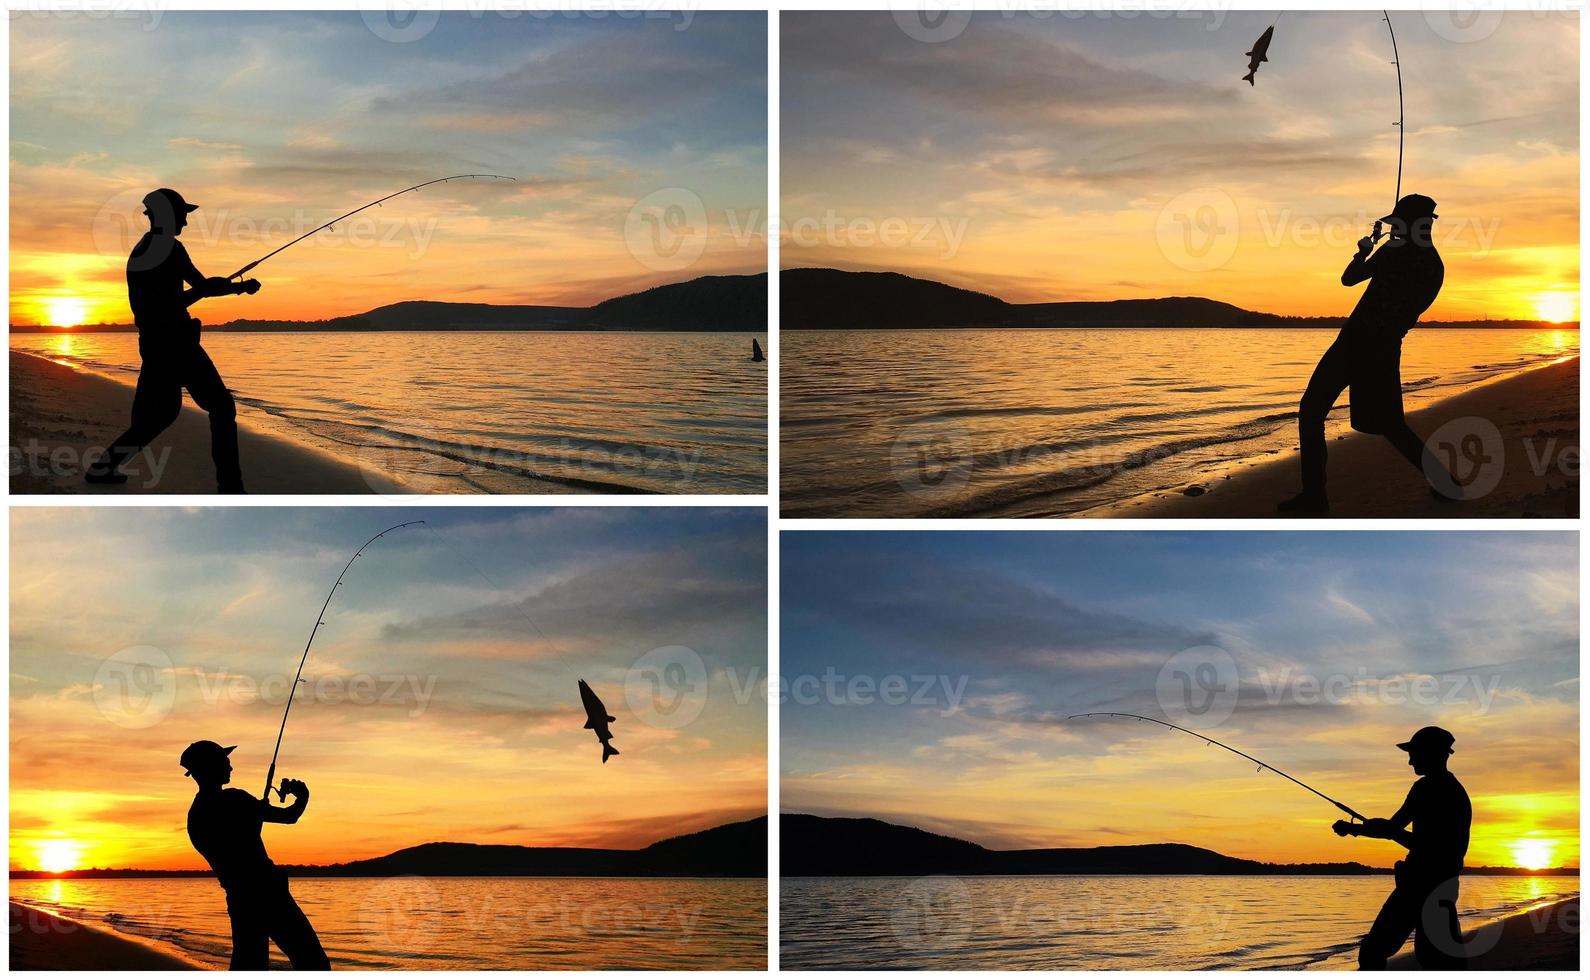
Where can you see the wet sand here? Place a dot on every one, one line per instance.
(61, 417)
(1520, 433)
(42, 941)
(1545, 937)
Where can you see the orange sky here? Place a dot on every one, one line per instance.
(276, 122)
(1040, 157)
(442, 702)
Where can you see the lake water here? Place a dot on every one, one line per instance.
(1023, 423)
(503, 412)
(452, 923)
(1109, 923)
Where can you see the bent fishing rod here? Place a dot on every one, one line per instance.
(1261, 764)
(1396, 59)
(320, 620)
(372, 204)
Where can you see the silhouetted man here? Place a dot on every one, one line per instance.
(224, 826)
(1424, 900)
(168, 342)
(1404, 276)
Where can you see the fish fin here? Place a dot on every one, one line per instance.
(1264, 57)
(611, 718)
(589, 724)
(608, 750)
(1247, 54)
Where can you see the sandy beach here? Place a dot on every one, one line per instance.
(61, 416)
(1524, 430)
(1545, 937)
(42, 941)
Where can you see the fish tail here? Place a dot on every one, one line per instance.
(608, 750)
(1248, 78)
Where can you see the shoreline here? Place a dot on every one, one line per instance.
(1519, 434)
(42, 940)
(62, 417)
(1542, 937)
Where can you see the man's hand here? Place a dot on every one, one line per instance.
(218, 286)
(1345, 828)
(296, 789)
(1365, 246)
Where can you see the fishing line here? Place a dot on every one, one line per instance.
(375, 203)
(320, 620)
(1210, 741)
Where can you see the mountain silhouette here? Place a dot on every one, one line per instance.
(707, 303)
(832, 299)
(736, 850)
(812, 846)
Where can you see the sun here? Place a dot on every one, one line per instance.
(65, 311)
(1556, 307)
(1533, 854)
(56, 856)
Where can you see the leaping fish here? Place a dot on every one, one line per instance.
(1260, 53)
(597, 719)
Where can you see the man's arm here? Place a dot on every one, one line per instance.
(1359, 268)
(1393, 828)
(204, 288)
(288, 814)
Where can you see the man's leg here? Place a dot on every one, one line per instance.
(1438, 939)
(157, 401)
(1397, 918)
(250, 939)
(209, 392)
(295, 937)
(1414, 450)
(1324, 387)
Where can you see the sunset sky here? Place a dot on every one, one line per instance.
(297, 117)
(1038, 626)
(1086, 156)
(497, 612)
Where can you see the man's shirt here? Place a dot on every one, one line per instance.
(156, 271)
(1405, 280)
(1441, 814)
(225, 828)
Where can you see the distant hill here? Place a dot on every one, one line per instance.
(707, 303)
(831, 299)
(813, 846)
(736, 850)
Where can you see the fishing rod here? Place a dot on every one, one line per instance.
(270, 775)
(372, 204)
(1262, 765)
(1396, 59)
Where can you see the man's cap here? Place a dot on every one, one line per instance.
(203, 753)
(1431, 738)
(166, 197)
(1411, 208)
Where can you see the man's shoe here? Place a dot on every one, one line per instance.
(1305, 504)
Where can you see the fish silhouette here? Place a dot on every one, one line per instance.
(597, 719)
(1260, 52)
(756, 350)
